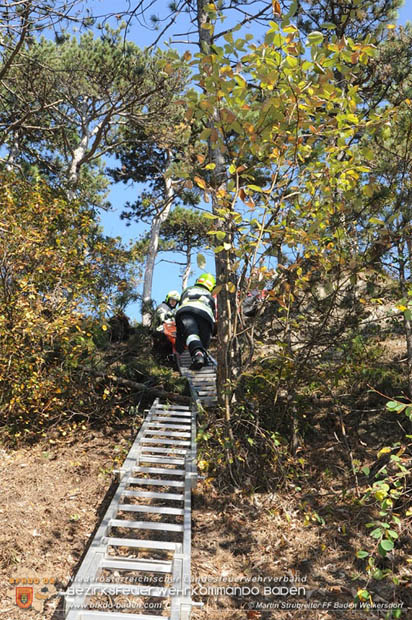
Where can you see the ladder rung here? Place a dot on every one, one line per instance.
(146, 525)
(171, 407)
(160, 510)
(161, 460)
(158, 483)
(160, 470)
(149, 431)
(205, 385)
(173, 419)
(153, 495)
(172, 412)
(182, 427)
(107, 615)
(152, 566)
(170, 451)
(142, 544)
(128, 588)
(169, 442)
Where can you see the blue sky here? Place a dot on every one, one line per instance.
(167, 276)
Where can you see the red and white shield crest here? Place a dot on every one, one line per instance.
(24, 597)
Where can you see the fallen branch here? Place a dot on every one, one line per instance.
(140, 387)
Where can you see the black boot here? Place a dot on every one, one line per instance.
(198, 360)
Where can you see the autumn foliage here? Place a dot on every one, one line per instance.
(50, 257)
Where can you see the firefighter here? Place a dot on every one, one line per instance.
(166, 310)
(195, 319)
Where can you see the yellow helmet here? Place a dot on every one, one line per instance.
(172, 295)
(207, 280)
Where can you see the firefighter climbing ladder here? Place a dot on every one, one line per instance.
(139, 558)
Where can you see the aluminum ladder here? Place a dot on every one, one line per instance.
(139, 558)
(202, 382)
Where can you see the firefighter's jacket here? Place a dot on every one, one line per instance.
(163, 313)
(198, 301)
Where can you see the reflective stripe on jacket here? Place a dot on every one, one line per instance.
(198, 300)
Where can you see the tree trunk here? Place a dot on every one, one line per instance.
(222, 260)
(188, 267)
(13, 151)
(82, 153)
(408, 322)
(403, 261)
(152, 251)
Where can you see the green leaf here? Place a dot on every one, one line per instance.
(291, 61)
(378, 574)
(220, 235)
(315, 38)
(393, 405)
(368, 190)
(362, 554)
(201, 261)
(377, 533)
(385, 546)
(292, 9)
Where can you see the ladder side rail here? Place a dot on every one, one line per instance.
(78, 591)
(133, 455)
(90, 566)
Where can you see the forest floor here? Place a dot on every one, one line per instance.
(292, 550)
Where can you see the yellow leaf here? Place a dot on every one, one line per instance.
(390, 26)
(380, 495)
(385, 450)
(200, 182)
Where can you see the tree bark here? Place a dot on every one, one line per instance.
(403, 261)
(152, 251)
(222, 260)
(408, 322)
(188, 267)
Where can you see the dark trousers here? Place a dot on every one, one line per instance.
(193, 331)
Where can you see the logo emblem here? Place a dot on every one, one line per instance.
(24, 597)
